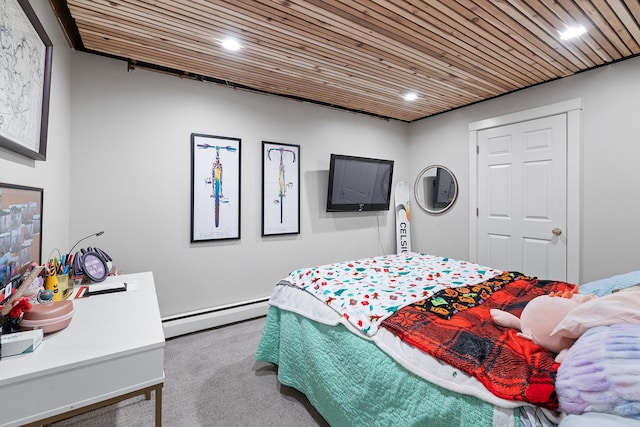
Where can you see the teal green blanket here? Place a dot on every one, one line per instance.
(351, 382)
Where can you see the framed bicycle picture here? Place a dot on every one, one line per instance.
(215, 187)
(280, 188)
(27, 53)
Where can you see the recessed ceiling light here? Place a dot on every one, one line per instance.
(410, 96)
(231, 44)
(572, 32)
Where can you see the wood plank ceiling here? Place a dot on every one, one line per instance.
(361, 55)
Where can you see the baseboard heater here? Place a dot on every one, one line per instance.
(194, 321)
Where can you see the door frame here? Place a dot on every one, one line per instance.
(573, 109)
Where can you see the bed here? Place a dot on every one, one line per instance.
(405, 339)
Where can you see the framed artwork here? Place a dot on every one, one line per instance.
(280, 188)
(20, 229)
(215, 187)
(25, 80)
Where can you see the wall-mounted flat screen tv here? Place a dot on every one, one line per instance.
(358, 184)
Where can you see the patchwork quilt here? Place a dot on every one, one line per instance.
(367, 291)
(509, 366)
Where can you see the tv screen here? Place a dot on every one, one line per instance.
(358, 184)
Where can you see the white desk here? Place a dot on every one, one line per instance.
(112, 350)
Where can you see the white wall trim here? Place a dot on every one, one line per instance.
(574, 196)
(573, 109)
(526, 115)
(186, 323)
(473, 195)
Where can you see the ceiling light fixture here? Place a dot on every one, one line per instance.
(231, 44)
(572, 32)
(410, 96)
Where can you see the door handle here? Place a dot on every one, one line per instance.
(556, 231)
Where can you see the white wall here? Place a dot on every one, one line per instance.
(131, 178)
(53, 174)
(610, 153)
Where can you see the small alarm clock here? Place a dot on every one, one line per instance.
(94, 267)
(93, 263)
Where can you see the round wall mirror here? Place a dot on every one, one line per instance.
(436, 189)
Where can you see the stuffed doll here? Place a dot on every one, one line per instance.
(540, 317)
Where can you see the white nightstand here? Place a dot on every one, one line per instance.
(112, 350)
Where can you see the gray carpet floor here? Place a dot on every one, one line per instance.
(211, 379)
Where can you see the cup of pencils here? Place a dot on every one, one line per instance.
(57, 278)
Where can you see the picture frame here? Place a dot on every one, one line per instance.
(20, 229)
(280, 188)
(215, 196)
(24, 116)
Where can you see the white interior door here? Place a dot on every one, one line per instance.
(522, 197)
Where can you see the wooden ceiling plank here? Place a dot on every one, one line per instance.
(486, 15)
(442, 70)
(352, 57)
(442, 82)
(455, 77)
(462, 21)
(136, 15)
(374, 64)
(508, 46)
(597, 28)
(406, 23)
(553, 19)
(382, 62)
(139, 31)
(508, 18)
(633, 6)
(358, 24)
(350, 72)
(571, 15)
(627, 27)
(618, 34)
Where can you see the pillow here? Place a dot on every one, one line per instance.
(619, 307)
(601, 373)
(606, 286)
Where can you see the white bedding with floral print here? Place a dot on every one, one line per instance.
(366, 291)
